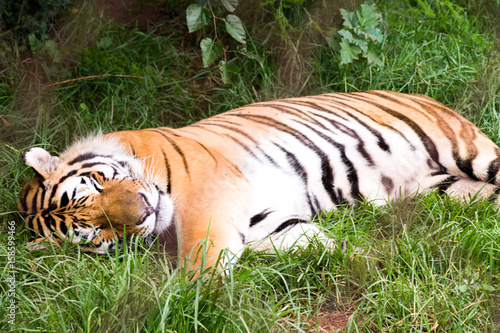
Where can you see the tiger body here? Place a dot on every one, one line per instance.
(257, 174)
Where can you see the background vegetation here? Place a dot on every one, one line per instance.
(430, 263)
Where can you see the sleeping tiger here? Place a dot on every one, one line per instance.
(256, 174)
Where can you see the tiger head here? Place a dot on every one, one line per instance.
(95, 193)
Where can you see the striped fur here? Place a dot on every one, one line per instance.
(257, 173)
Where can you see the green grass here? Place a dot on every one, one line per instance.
(421, 264)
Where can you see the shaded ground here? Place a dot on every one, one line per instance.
(134, 13)
(332, 321)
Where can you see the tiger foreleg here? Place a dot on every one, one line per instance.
(42, 243)
(297, 236)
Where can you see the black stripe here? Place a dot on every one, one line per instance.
(82, 157)
(340, 194)
(100, 173)
(351, 171)
(331, 100)
(37, 225)
(495, 195)
(445, 184)
(464, 165)
(34, 206)
(86, 156)
(63, 227)
(49, 222)
(352, 175)
(388, 183)
(352, 132)
(341, 127)
(317, 205)
(380, 139)
(301, 172)
(37, 201)
(209, 153)
(259, 217)
(169, 179)
(430, 146)
(64, 200)
(237, 141)
(63, 178)
(297, 112)
(176, 148)
(295, 164)
(493, 170)
(92, 174)
(327, 181)
(24, 206)
(30, 226)
(360, 147)
(217, 122)
(92, 164)
(287, 224)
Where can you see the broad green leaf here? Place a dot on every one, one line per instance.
(346, 34)
(51, 45)
(374, 34)
(353, 40)
(196, 17)
(230, 5)
(53, 50)
(332, 38)
(348, 52)
(487, 287)
(349, 18)
(210, 51)
(105, 42)
(224, 72)
(235, 28)
(241, 48)
(368, 15)
(363, 45)
(83, 107)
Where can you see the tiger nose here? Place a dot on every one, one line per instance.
(147, 209)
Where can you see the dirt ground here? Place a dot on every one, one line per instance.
(132, 13)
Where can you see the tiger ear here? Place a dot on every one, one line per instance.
(41, 160)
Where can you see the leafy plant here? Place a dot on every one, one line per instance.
(198, 16)
(361, 35)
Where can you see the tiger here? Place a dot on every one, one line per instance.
(256, 175)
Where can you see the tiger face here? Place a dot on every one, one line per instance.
(89, 198)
